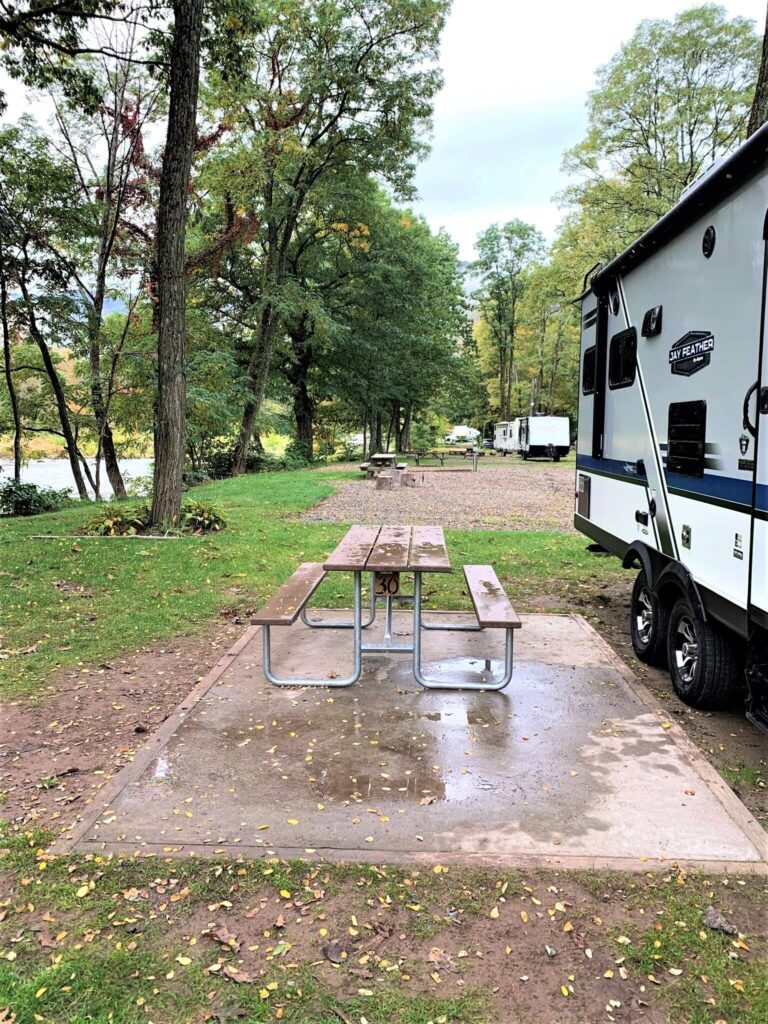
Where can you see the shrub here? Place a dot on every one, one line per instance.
(118, 520)
(31, 500)
(194, 477)
(202, 517)
(217, 461)
(348, 452)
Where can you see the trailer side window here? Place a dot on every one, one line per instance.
(622, 359)
(686, 436)
(589, 371)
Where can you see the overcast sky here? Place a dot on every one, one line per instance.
(516, 82)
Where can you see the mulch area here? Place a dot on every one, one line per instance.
(504, 494)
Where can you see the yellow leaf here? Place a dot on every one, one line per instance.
(495, 912)
(185, 961)
(82, 891)
(567, 927)
(293, 821)
(564, 990)
(524, 917)
(285, 894)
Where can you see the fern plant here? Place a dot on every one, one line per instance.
(202, 517)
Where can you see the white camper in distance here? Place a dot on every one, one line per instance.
(506, 436)
(544, 437)
(672, 453)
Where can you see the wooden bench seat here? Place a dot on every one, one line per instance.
(364, 466)
(284, 607)
(493, 608)
(402, 465)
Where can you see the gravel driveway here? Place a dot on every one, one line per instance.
(506, 494)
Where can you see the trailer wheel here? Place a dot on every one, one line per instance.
(703, 661)
(649, 619)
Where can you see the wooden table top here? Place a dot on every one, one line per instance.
(383, 457)
(391, 549)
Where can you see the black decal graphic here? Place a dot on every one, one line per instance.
(691, 353)
(744, 444)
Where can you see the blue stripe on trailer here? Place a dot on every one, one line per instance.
(711, 485)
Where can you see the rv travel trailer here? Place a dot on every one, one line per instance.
(544, 437)
(505, 436)
(672, 453)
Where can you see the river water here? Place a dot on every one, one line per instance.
(58, 474)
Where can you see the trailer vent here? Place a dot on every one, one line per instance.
(686, 438)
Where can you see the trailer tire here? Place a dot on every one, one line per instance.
(703, 660)
(649, 622)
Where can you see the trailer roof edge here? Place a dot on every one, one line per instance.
(733, 172)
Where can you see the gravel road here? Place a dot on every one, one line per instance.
(504, 494)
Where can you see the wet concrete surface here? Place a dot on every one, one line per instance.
(567, 764)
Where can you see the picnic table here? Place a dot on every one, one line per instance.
(381, 461)
(386, 552)
(384, 459)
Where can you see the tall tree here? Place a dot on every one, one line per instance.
(505, 256)
(171, 272)
(40, 218)
(106, 150)
(330, 84)
(675, 97)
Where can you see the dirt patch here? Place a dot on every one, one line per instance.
(505, 494)
(549, 948)
(56, 753)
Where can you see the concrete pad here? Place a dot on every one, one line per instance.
(570, 766)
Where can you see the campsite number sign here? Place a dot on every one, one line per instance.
(387, 584)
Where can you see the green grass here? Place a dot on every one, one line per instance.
(105, 970)
(744, 775)
(122, 594)
(715, 971)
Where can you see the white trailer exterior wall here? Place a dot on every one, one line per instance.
(672, 470)
(544, 436)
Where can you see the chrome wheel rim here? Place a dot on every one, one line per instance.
(644, 617)
(686, 649)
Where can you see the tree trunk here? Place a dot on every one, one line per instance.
(258, 371)
(303, 411)
(405, 435)
(759, 113)
(58, 391)
(296, 372)
(9, 381)
(170, 415)
(377, 444)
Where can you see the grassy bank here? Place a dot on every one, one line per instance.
(85, 600)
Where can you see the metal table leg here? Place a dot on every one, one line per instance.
(448, 684)
(357, 633)
(324, 624)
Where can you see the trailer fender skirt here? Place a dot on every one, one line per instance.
(677, 576)
(638, 553)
